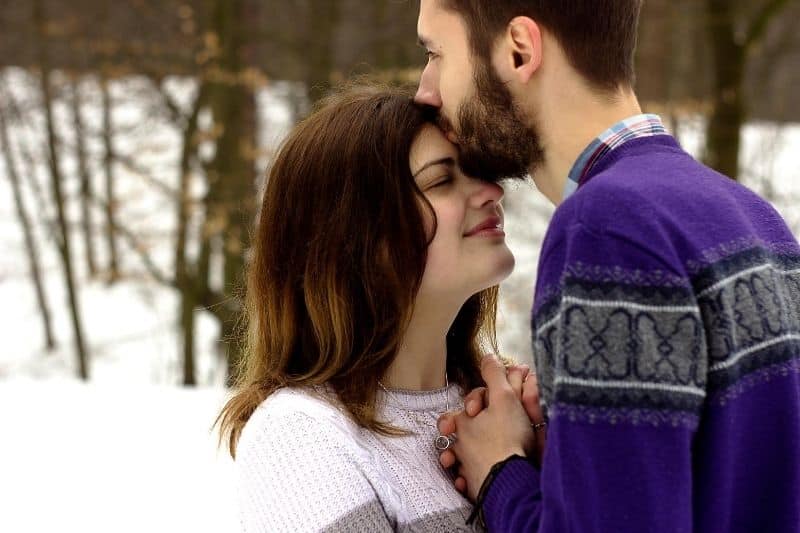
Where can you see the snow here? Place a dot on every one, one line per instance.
(131, 450)
(111, 457)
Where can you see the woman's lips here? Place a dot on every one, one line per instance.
(492, 226)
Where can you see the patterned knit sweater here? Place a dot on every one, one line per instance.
(303, 465)
(666, 331)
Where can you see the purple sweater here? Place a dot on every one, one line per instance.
(666, 330)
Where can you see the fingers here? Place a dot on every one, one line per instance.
(516, 377)
(530, 399)
(475, 401)
(447, 459)
(494, 375)
(447, 424)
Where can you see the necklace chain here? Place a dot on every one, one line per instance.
(413, 415)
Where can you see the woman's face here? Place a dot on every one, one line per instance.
(468, 253)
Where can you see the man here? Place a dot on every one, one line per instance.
(666, 320)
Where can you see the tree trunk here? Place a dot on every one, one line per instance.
(731, 48)
(728, 113)
(238, 206)
(187, 307)
(30, 243)
(231, 174)
(56, 180)
(108, 168)
(323, 20)
(87, 192)
(187, 283)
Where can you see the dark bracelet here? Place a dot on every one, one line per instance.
(477, 511)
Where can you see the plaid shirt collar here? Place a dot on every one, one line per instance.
(631, 128)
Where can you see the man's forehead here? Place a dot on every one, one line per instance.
(424, 23)
(428, 8)
(435, 22)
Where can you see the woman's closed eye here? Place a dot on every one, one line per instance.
(440, 181)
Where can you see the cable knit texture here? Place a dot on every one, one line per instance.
(304, 465)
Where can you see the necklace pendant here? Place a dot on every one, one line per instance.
(444, 442)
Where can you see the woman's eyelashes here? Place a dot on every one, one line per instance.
(440, 181)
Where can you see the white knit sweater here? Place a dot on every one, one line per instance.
(303, 465)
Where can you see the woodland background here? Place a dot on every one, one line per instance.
(134, 139)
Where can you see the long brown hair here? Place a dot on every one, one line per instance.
(338, 254)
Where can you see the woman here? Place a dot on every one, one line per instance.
(371, 294)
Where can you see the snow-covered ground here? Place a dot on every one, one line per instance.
(111, 457)
(132, 451)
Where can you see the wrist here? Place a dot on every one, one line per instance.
(494, 470)
(491, 460)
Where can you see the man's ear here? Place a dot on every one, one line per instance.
(523, 48)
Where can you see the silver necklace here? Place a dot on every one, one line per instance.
(441, 442)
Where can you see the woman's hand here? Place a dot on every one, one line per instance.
(526, 388)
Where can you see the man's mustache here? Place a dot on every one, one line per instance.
(446, 126)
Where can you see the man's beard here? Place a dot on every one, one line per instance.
(494, 141)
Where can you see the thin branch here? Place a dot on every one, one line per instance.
(762, 21)
(138, 248)
(173, 108)
(132, 166)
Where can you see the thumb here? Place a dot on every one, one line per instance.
(494, 375)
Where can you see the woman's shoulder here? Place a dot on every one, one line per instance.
(311, 401)
(297, 414)
(300, 464)
(318, 403)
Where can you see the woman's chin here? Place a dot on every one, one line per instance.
(502, 267)
(505, 266)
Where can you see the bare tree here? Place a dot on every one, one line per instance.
(108, 170)
(87, 190)
(322, 17)
(31, 248)
(230, 175)
(185, 278)
(56, 180)
(732, 44)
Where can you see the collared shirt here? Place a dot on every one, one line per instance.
(623, 131)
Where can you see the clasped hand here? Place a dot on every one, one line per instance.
(497, 421)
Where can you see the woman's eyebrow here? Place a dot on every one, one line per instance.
(449, 161)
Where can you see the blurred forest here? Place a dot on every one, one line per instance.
(732, 62)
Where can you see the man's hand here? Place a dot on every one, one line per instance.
(498, 431)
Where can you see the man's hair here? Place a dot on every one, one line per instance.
(598, 36)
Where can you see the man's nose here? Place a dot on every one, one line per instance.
(428, 92)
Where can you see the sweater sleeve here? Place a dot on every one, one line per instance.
(299, 474)
(621, 355)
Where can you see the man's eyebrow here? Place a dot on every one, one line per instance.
(449, 161)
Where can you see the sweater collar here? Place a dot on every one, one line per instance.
(437, 400)
(635, 127)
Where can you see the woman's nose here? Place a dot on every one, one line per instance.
(486, 193)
